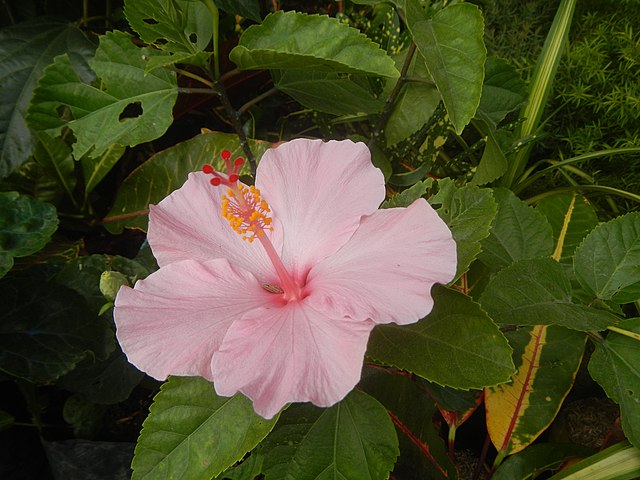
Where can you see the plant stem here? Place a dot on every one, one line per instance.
(626, 333)
(391, 100)
(253, 101)
(194, 76)
(207, 91)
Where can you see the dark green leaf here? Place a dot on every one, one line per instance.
(47, 329)
(328, 92)
(295, 40)
(25, 50)
(451, 43)
(519, 232)
(456, 345)
(84, 416)
(54, 156)
(134, 107)
(538, 292)
(408, 196)
(469, 212)
(161, 175)
(94, 169)
(615, 365)
(582, 219)
(503, 90)
(353, 440)
(192, 434)
(26, 225)
(245, 8)
(493, 163)
(606, 263)
(6, 420)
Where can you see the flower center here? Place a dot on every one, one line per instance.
(248, 216)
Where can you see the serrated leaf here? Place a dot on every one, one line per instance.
(133, 107)
(547, 359)
(161, 175)
(328, 92)
(615, 365)
(456, 345)
(54, 156)
(25, 50)
(94, 169)
(415, 105)
(47, 329)
(606, 264)
(538, 292)
(408, 196)
(469, 212)
(26, 225)
(177, 26)
(519, 232)
(452, 45)
(353, 440)
(296, 40)
(582, 219)
(503, 91)
(192, 434)
(245, 8)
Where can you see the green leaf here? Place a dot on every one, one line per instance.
(84, 416)
(538, 292)
(295, 40)
(538, 458)
(245, 8)
(54, 156)
(26, 225)
(161, 175)
(618, 462)
(415, 105)
(328, 92)
(177, 26)
(456, 345)
(503, 91)
(25, 50)
(519, 232)
(6, 420)
(493, 163)
(47, 329)
(606, 263)
(133, 107)
(452, 45)
(547, 359)
(468, 211)
(615, 365)
(408, 196)
(582, 219)
(192, 434)
(353, 440)
(94, 169)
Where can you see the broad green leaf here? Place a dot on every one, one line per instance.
(25, 50)
(83, 415)
(615, 365)
(103, 382)
(47, 329)
(469, 212)
(618, 462)
(547, 359)
(132, 108)
(606, 264)
(193, 434)
(538, 292)
(415, 105)
(54, 156)
(519, 232)
(408, 196)
(538, 458)
(503, 91)
(245, 8)
(249, 469)
(328, 92)
(295, 40)
(456, 345)
(452, 45)
(582, 219)
(422, 451)
(94, 169)
(162, 174)
(26, 225)
(493, 163)
(177, 26)
(353, 440)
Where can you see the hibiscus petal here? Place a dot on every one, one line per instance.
(172, 322)
(290, 354)
(188, 224)
(386, 270)
(318, 191)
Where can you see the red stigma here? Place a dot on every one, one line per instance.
(208, 169)
(225, 154)
(233, 178)
(215, 181)
(238, 161)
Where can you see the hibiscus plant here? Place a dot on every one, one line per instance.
(284, 244)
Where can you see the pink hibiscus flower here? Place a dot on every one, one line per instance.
(272, 291)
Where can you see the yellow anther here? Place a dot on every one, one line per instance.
(246, 212)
